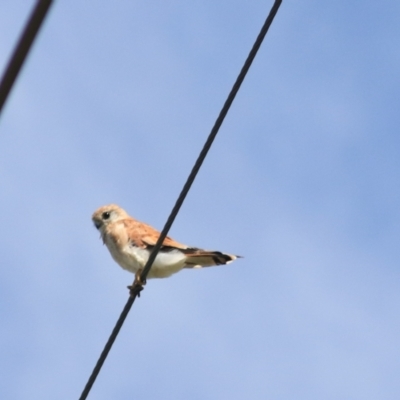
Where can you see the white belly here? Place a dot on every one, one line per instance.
(134, 258)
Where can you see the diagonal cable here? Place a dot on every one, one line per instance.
(136, 288)
(21, 50)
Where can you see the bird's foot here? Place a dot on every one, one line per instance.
(137, 285)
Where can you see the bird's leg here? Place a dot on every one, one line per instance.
(138, 283)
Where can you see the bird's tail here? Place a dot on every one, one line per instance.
(196, 258)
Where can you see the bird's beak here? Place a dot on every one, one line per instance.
(97, 223)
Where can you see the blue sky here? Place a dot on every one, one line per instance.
(113, 105)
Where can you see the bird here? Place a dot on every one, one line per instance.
(130, 243)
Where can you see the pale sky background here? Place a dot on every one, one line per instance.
(113, 105)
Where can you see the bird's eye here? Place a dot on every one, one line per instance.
(106, 215)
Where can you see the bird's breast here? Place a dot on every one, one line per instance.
(133, 258)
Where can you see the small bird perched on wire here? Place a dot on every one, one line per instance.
(130, 243)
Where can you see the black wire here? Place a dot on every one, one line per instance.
(211, 137)
(21, 50)
(137, 288)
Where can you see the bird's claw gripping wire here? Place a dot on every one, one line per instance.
(137, 285)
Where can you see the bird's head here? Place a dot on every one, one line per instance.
(106, 215)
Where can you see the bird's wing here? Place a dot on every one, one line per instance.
(143, 235)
